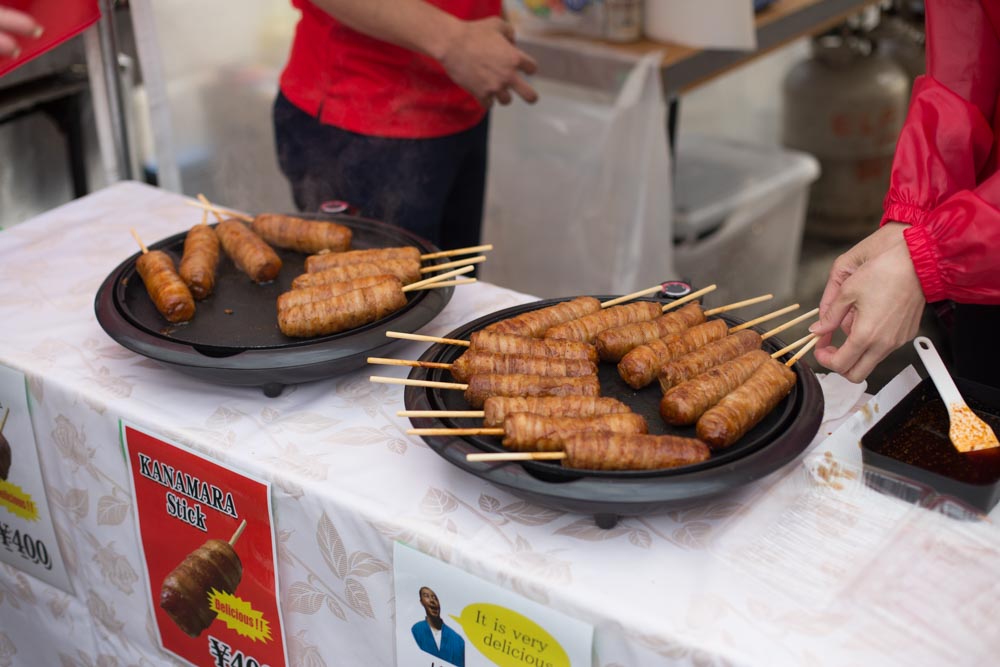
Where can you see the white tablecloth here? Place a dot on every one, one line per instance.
(805, 567)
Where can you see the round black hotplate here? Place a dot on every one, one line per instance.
(778, 439)
(234, 336)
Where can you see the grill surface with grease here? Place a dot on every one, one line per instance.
(777, 440)
(234, 336)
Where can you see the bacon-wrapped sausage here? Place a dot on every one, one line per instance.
(611, 451)
(641, 366)
(5, 456)
(184, 595)
(328, 260)
(345, 311)
(524, 431)
(474, 362)
(587, 327)
(323, 291)
(200, 259)
(615, 343)
(169, 293)
(497, 408)
(744, 407)
(286, 231)
(248, 251)
(501, 343)
(686, 402)
(534, 323)
(482, 387)
(717, 352)
(407, 272)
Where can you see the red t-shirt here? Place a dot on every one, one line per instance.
(368, 86)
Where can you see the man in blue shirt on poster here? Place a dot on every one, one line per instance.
(433, 636)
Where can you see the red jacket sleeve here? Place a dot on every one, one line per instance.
(947, 137)
(956, 251)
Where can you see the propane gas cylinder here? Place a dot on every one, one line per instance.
(846, 106)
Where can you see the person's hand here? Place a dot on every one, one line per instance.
(12, 24)
(874, 296)
(481, 58)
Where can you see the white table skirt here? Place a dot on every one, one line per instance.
(682, 587)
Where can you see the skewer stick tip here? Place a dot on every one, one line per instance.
(138, 240)
(236, 535)
(3, 422)
(801, 353)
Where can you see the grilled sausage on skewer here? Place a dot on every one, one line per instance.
(201, 257)
(345, 311)
(534, 323)
(613, 344)
(744, 407)
(328, 260)
(641, 366)
(407, 272)
(248, 251)
(166, 289)
(717, 352)
(501, 343)
(497, 408)
(587, 327)
(686, 402)
(296, 297)
(184, 596)
(482, 387)
(609, 451)
(474, 362)
(293, 233)
(524, 431)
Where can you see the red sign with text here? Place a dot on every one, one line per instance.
(208, 547)
(59, 19)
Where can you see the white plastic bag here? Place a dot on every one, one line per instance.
(579, 192)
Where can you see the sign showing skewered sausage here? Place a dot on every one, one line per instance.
(27, 535)
(209, 553)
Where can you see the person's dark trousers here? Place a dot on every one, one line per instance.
(974, 343)
(432, 187)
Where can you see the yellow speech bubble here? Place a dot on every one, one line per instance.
(510, 639)
(17, 501)
(239, 615)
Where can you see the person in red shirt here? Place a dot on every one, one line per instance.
(940, 233)
(383, 104)
(12, 24)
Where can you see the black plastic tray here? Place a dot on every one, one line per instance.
(234, 336)
(911, 442)
(782, 435)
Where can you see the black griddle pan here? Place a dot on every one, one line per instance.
(234, 336)
(772, 443)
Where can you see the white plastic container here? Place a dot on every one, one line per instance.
(739, 211)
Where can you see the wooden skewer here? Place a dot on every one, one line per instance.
(204, 200)
(790, 323)
(792, 346)
(204, 217)
(449, 265)
(450, 283)
(458, 251)
(142, 245)
(419, 383)
(690, 297)
(427, 339)
(516, 456)
(801, 353)
(442, 413)
(634, 295)
(738, 304)
(4, 421)
(219, 211)
(764, 318)
(437, 278)
(236, 535)
(455, 431)
(408, 362)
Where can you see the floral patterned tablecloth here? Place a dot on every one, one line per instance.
(805, 567)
